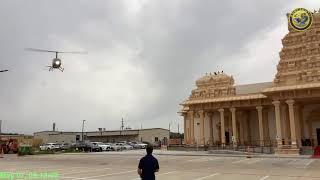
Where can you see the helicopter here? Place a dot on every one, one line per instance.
(56, 62)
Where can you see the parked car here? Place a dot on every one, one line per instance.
(103, 146)
(155, 145)
(137, 145)
(115, 147)
(142, 145)
(87, 146)
(134, 145)
(49, 146)
(124, 146)
(65, 146)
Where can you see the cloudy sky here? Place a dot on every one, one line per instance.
(143, 57)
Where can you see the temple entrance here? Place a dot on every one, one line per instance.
(318, 136)
(227, 137)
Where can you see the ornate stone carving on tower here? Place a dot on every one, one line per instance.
(300, 56)
(213, 85)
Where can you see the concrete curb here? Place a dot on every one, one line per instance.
(200, 154)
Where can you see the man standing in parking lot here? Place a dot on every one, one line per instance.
(148, 165)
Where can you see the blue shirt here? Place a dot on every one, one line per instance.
(149, 165)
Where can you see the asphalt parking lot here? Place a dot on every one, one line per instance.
(121, 166)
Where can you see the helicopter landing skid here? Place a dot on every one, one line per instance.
(51, 68)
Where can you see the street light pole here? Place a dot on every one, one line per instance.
(82, 128)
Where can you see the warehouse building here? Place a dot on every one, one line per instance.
(152, 135)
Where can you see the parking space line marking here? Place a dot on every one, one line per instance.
(293, 161)
(235, 162)
(309, 162)
(159, 174)
(87, 171)
(263, 178)
(197, 159)
(125, 172)
(252, 162)
(215, 174)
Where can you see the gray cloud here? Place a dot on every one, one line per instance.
(144, 57)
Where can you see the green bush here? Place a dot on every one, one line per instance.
(25, 150)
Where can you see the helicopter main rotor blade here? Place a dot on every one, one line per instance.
(40, 50)
(73, 52)
(64, 52)
(4, 70)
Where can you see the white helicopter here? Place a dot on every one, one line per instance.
(56, 62)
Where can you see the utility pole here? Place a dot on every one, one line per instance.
(178, 129)
(122, 126)
(82, 128)
(169, 127)
(0, 126)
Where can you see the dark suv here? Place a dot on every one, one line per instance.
(86, 146)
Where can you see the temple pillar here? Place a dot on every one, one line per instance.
(298, 124)
(285, 126)
(310, 134)
(245, 127)
(261, 133)
(185, 128)
(292, 123)
(266, 127)
(191, 127)
(302, 122)
(241, 133)
(210, 115)
(202, 139)
(278, 122)
(229, 128)
(234, 127)
(223, 137)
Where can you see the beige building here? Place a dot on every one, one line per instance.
(284, 114)
(150, 135)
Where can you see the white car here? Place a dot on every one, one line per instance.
(124, 146)
(103, 146)
(142, 145)
(50, 146)
(137, 145)
(115, 147)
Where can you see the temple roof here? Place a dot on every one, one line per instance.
(292, 87)
(224, 99)
(252, 88)
(243, 92)
(215, 79)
